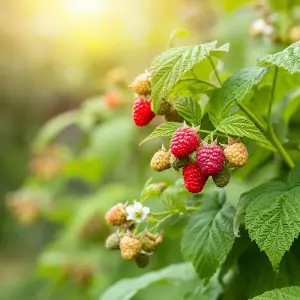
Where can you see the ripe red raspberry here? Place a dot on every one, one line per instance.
(116, 216)
(210, 159)
(194, 179)
(142, 114)
(184, 141)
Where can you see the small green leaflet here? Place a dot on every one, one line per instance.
(189, 109)
(178, 33)
(288, 59)
(165, 129)
(272, 214)
(168, 68)
(125, 289)
(242, 127)
(286, 293)
(234, 90)
(209, 236)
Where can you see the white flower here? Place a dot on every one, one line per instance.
(137, 212)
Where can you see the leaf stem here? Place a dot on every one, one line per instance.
(215, 70)
(201, 81)
(257, 121)
(272, 134)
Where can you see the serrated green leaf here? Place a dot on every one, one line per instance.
(245, 200)
(288, 59)
(125, 289)
(165, 129)
(209, 236)
(273, 216)
(168, 68)
(287, 293)
(233, 91)
(241, 126)
(189, 109)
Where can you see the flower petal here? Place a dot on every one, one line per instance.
(137, 205)
(130, 217)
(130, 210)
(146, 210)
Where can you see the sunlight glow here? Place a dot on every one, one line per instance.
(86, 7)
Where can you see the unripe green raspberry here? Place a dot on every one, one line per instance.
(160, 161)
(113, 242)
(116, 216)
(178, 163)
(142, 260)
(130, 247)
(173, 116)
(222, 178)
(164, 108)
(236, 154)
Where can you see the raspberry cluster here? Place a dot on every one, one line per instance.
(133, 245)
(211, 159)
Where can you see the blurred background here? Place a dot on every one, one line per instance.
(67, 64)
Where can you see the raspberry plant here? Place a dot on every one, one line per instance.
(222, 240)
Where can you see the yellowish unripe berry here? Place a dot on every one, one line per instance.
(236, 154)
(117, 215)
(130, 247)
(161, 161)
(142, 84)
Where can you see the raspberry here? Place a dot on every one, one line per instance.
(150, 241)
(184, 141)
(142, 114)
(210, 159)
(178, 163)
(160, 161)
(194, 179)
(142, 84)
(236, 154)
(222, 178)
(130, 247)
(142, 260)
(113, 242)
(116, 216)
(173, 116)
(164, 108)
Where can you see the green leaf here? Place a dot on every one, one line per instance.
(176, 195)
(234, 90)
(245, 200)
(189, 109)
(125, 289)
(292, 103)
(273, 216)
(55, 126)
(88, 168)
(165, 129)
(242, 127)
(287, 293)
(288, 59)
(209, 236)
(168, 68)
(178, 33)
